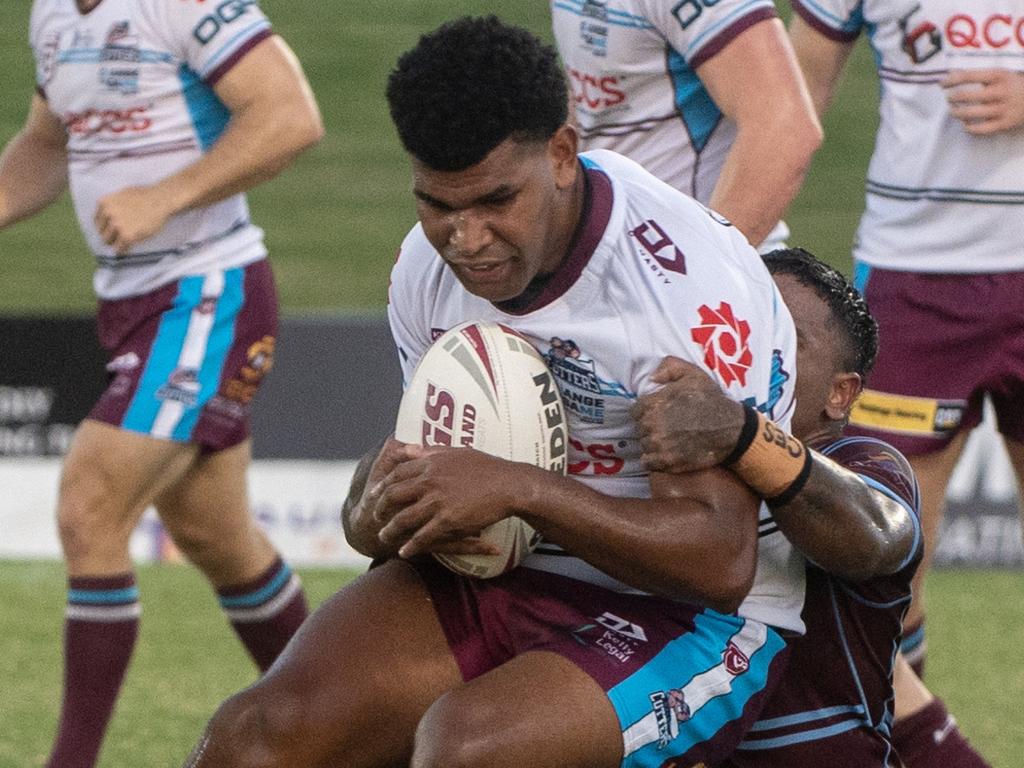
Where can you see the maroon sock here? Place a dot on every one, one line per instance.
(266, 612)
(930, 738)
(100, 627)
(914, 646)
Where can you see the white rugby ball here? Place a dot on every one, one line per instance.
(484, 386)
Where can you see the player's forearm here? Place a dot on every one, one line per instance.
(845, 526)
(361, 529)
(821, 61)
(763, 173)
(256, 146)
(33, 173)
(659, 545)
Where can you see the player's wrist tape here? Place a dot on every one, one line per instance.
(774, 464)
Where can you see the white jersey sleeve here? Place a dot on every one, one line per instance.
(209, 38)
(697, 30)
(840, 20)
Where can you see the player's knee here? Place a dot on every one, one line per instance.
(254, 729)
(455, 734)
(87, 519)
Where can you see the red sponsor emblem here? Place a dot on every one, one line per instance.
(724, 340)
(735, 660)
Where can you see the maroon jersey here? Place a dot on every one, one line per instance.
(833, 705)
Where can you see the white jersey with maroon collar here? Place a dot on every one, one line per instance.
(652, 273)
(132, 82)
(632, 67)
(938, 198)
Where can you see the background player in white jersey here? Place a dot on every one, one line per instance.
(937, 254)
(855, 519)
(587, 253)
(158, 115)
(705, 95)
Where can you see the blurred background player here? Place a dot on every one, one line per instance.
(158, 116)
(707, 96)
(938, 257)
(575, 252)
(855, 519)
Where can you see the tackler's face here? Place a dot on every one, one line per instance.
(817, 356)
(498, 224)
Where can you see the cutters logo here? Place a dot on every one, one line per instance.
(182, 386)
(670, 709)
(724, 340)
(736, 661)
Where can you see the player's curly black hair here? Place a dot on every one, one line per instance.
(847, 305)
(471, 84)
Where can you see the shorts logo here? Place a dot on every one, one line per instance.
(259, 362)
(622, 627)
(736, 661)
(725, 342)
(182, 387)
(670, 709)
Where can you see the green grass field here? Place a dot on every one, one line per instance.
(335, 220)
(187, 661)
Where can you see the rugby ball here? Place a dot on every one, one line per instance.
(484, 386)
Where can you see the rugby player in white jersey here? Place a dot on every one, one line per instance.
(647, 628)
(938, 257)
(158, 115)
(705, 94)
(855, 519)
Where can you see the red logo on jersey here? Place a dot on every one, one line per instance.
(595, 92)
(108, 121)
(735, 660)
(724, 340)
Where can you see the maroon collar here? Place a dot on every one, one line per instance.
(597, 209)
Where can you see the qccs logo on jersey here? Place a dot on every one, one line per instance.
(724, 339)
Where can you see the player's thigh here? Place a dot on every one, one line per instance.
(352, 684)
(207, 513)
(537, 710)
(108, 479)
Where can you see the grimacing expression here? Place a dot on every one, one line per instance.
(497, 224)
(817, 354)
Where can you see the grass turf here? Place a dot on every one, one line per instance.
(187, 661)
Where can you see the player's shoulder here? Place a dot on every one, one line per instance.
(878, 462)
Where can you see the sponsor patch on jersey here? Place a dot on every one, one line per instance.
(909, 415)
(725, 342)
(583, 391)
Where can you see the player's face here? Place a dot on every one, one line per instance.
(505, 220)
(817, 354)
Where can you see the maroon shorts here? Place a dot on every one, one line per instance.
(686, 683)
(945, 341)
(186, 359)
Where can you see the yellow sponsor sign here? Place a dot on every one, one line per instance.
(900, 413)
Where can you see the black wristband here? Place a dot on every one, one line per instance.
(747, 435)
(796, 486)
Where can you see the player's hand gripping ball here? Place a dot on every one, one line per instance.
(484, 386)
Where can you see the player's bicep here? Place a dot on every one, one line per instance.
(269, 77)
(755, 77)
(821, 59)
(720, 511)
